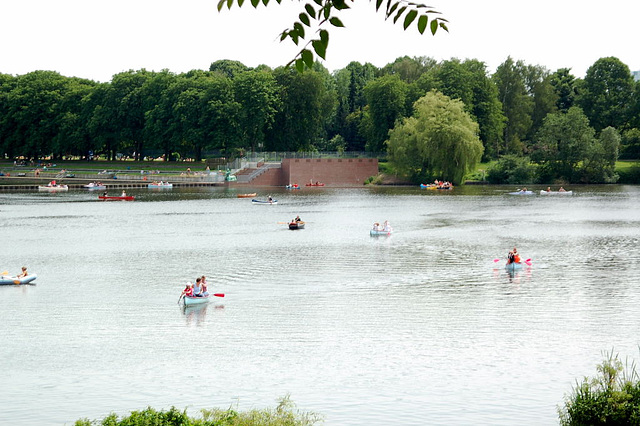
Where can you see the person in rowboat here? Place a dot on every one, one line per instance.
(124, 193)
(24, 272)
(205, 291)
(188, 290)
(197, 287)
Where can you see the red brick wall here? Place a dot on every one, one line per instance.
(330, 171)
(272, 177)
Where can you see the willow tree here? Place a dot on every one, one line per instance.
(440, 140)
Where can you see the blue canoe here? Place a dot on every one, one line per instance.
(521, 193)
(190, 300)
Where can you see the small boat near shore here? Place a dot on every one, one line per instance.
(521, 193)
(161, 185)
(53, 187)
(543, 192)
(294, 186)
(116, 198)
(7, 280)
(93, 186)
(267, 202)
(247, 195)
(314, 184)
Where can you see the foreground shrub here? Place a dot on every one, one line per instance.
(285, 414)
(611, 398)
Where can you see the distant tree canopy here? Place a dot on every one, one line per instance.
(520, 110)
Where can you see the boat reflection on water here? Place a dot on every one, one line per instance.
(196, 314)
(514, 276)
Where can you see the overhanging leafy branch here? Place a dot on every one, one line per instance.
(318, 14)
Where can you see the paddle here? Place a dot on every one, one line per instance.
(5, 273)
(218, 294)
(180, 298)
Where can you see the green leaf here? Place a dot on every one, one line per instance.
(307, 57)
(411, 16)
(284, 35)
(229, 3)
(434, 26)
(305, 19)
(399, 14)
(443, 26)
(378, 4)
(240, 3)
(340, 4)
(265, 2)
(422, 23)
(255, 3)
(311, 11)
(220, 5)
(336, 22)
(318, 2)
(299, 29)
(320, 48)
(393, 9)
(299, 65)
(324, 36)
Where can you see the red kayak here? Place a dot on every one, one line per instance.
(315, 184)
(108, 198)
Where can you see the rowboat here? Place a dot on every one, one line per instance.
(294, 186)
(521, 193)
(375, 232)
(296, 225)
(314, 184)
(95, 186)
(247, 195)
(53, 188)
(543, 192)
(254, 201)
(160, 185)
(120, 198)
(7, 280)
(195, 300)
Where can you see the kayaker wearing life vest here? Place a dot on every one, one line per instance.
(513, 256)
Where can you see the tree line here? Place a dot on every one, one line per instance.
(233, 108)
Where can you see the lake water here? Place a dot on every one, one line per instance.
(421, 327)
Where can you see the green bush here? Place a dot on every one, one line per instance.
(611, 398)
(511, 169)
(285, 414)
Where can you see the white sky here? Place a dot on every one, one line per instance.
(96, 39)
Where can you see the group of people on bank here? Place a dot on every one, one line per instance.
(197, 289)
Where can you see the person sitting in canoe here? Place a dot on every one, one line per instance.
(270, 199)
(297, 219)
(376, 227)
(562, 190)
(205, 291)
(387, 226)
(104, 194)
(124, 193)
